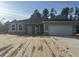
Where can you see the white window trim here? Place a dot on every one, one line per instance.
(22, 27)
(15, 27)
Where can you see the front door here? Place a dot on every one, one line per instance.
(29, 29)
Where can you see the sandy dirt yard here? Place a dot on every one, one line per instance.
(39, 46)
(72, 43)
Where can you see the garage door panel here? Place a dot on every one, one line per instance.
(60, 30)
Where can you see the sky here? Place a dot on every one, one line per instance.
(19, 10)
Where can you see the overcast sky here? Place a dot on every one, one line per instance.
(23, 9)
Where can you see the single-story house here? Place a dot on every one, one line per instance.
(35, 26)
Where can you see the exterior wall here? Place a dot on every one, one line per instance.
(16, 31)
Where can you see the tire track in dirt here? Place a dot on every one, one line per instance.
(31, 48)
(58, 48)
(18, 49)
(4, 47)
(23, 49)
(27, 50)
(3, 52)
(53, 47)
(39, 49)
(45, 43)
(12, 51)
(63, 51)
(36, 53)
(15, 50)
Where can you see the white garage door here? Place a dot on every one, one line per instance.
(60, 30)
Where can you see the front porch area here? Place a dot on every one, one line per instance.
(34, 29)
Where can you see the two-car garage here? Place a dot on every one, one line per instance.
(59, 27)
(59, 30)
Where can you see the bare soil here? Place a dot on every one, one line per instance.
(71, 43)
(28, 46)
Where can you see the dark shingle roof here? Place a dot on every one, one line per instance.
(39, 20)
(30, 21)
(60, 18)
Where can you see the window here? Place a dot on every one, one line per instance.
(20, 27)
(13, 27)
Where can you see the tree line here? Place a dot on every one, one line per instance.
(68, 13)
